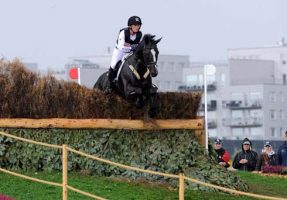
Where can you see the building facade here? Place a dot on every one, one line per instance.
(247, 95)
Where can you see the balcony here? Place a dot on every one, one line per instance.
(243, 122)
(247, 104)
(197, 88)
(212, 123)
(211, 106)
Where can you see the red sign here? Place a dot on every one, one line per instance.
(74, 73)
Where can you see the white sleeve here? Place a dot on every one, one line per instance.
(121, 43)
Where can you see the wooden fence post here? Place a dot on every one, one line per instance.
(181, 186)
(200, 136)
(65, 171)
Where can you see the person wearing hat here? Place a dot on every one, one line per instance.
(128, 39)
(267, 157)
(282, 153)
(223, 156)
(246, 159)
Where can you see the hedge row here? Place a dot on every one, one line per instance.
(24, 94)
(170, 151)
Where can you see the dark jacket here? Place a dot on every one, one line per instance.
(282, 154)
(223, 156)
(266, 160)
(249, 155)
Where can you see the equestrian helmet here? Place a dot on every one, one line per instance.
(134, 20)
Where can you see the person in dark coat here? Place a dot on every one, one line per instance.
(246, 159)
(267, 157)
(223, 156)
(282, 153)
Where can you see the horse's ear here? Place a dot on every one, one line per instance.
(157, 41)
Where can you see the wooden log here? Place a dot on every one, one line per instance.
(195, 124)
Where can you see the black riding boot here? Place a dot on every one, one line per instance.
(111, 76)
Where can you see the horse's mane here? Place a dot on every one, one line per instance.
(148, 38)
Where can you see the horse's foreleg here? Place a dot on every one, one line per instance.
(153, 102)
(131, 91)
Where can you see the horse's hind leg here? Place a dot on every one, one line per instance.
(153, 102)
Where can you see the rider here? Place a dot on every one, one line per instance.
(127, 41)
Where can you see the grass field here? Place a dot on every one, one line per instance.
(115, 189)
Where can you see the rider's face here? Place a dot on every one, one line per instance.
(135, 28)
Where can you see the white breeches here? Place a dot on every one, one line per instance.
(116, 57)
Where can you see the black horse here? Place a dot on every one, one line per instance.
(134, 80)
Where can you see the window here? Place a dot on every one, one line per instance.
(273, 132)
(237, 114)
(181, 64)
(168, 85)
(237, 132)
(257, 114)
(222, 79)
(211, 79)
(171, 67)
(280, 132)
(237, 96)
(212, 133)
(200, 79)
(200, 113)
(192, 80)
(256, 131)
(283, 58)
(177, 84)
(272, 96)
(272, 114)
(281, 96)
(255, 95)
(281, 114)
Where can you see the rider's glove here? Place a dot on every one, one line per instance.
(133, 47)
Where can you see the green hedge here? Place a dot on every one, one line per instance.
(165, 151)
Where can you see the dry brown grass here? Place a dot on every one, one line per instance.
(25, 94)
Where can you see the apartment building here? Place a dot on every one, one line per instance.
(247, 95)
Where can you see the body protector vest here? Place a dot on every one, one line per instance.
(128, 38)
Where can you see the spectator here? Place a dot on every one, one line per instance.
(222, 154)
(267, 157)
(246, 159)
(282, 153)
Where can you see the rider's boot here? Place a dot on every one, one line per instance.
(111, 76)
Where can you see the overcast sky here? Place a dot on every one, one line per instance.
(48, 32)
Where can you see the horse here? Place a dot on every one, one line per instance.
(134, 79)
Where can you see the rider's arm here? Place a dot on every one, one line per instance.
(122, 45)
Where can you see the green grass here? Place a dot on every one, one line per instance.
(109, 188)
(265, 184)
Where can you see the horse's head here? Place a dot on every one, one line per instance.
(150, 52)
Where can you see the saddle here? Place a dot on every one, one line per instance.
(120, 64)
